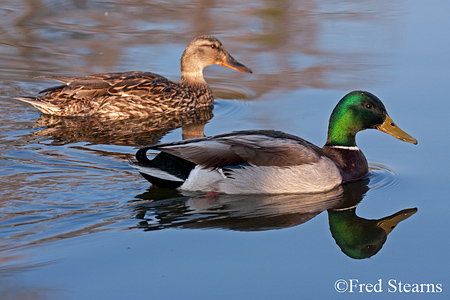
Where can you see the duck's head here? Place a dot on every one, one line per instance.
(204, 51)
(360, 110)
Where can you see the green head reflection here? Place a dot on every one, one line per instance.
(361, 238)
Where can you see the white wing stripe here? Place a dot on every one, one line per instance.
(157, 173)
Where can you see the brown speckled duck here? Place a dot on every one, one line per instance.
(138, 94)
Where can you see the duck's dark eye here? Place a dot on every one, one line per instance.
(368, 106)
(213, 46)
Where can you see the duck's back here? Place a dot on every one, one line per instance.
(128, 94)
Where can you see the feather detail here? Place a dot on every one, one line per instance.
(259, 147)
(119, 95)
(138, 94)
(248, 179)
(247, 162)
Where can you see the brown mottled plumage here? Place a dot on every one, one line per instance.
(138, 94)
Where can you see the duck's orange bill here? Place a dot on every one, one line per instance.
(231, 63)
(390, 128)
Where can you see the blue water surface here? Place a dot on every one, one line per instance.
(77, 222)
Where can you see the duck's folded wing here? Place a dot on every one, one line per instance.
(111, 78)
(83, 87)
(118, 84)
(145, 85)
(268, 150)
(202, 151)
(256, 148)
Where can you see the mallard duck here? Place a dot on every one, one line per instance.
(272, 162)
(138, 94)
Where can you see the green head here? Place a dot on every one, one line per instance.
(360, 110)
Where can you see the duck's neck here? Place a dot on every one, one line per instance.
(191, 69)
(351, 161)
(192, 77)
(193, 81)
(340, 133)
(199, 91)
(341, 147)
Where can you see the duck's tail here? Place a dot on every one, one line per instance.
(165, 170)
(45, 107)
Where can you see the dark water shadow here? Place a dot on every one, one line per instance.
(356, 236)
(123, 132)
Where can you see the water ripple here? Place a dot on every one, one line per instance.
(382, 177)
(229, 109)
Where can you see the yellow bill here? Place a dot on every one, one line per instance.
(391, 128)
(389, 223)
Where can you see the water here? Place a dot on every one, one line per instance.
(77, 222)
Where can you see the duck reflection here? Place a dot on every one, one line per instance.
(233, 212)
(362, 238)
(356, 236)
(123, 132)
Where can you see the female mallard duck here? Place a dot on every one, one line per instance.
(139, 94)
(255, 162)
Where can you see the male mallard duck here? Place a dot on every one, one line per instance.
(266, 161)
(138, 94)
